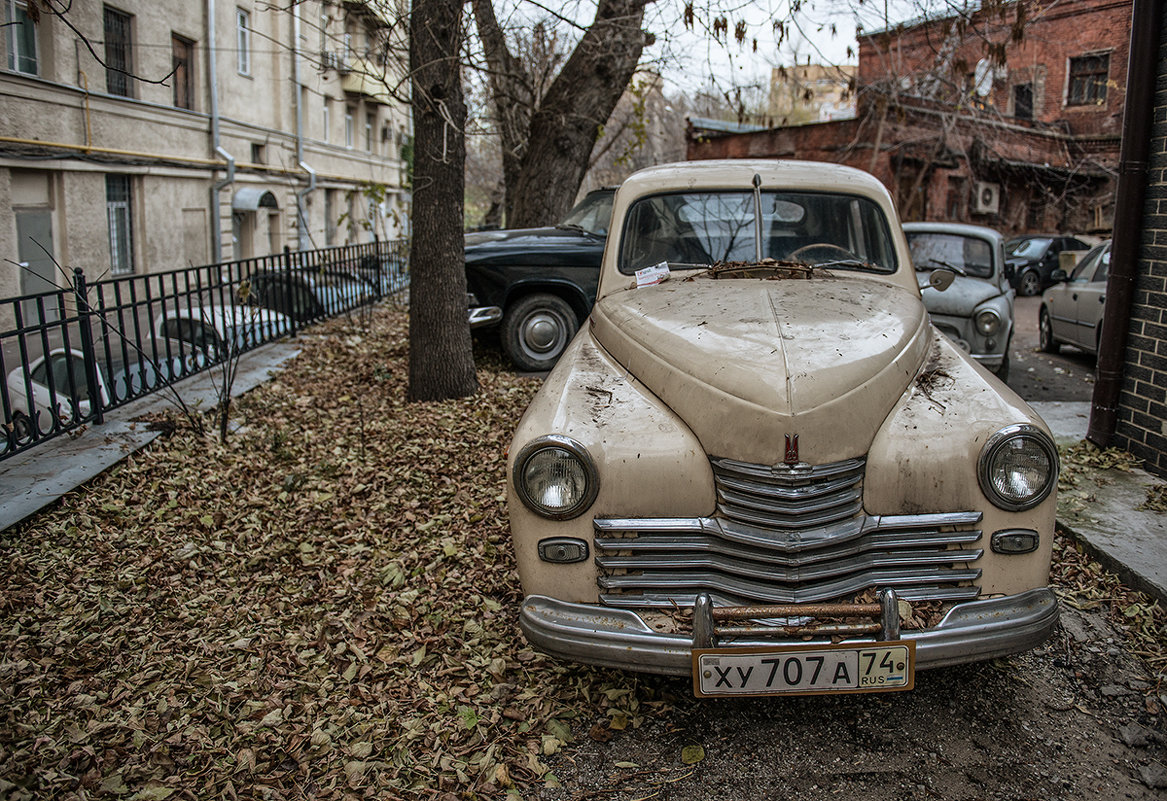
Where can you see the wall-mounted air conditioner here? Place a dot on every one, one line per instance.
(986, 198)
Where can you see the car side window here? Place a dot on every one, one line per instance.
(1103, 266)
(1085, 267)
(40, 374)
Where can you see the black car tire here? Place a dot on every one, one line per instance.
(536, 329)
(1029, 283)
(1045, 333)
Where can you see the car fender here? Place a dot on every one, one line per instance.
(924, 459)
(648, 462)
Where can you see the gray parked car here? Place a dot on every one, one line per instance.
(976, 310)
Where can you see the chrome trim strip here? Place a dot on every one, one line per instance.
(976, 630)
(702, 543)
(681, 584)
(792, 573)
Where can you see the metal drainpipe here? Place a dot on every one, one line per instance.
(212, 80)
(1142, 69)
(301, 210)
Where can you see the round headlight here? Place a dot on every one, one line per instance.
(988, 322)
(555, 477)
(1018, 468)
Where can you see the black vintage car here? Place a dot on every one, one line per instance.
(536, 284)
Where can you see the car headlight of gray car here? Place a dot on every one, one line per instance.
(555, 477)
(1018, 468)
(988, 322)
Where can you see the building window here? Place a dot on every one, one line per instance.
(370, 123)
(348, 127)
(182, 61)
(258, 153)
(1023, 101)
(243, 40)
(327, 120)
(21, 36)
(121, 238)
(119, 63)
(1088, 80)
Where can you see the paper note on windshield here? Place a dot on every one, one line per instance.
(652, 275)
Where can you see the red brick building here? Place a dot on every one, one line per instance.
(1009, 117)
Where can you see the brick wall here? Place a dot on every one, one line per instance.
(1054, 33)
(1142, 413)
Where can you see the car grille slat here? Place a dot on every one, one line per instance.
(786, 535)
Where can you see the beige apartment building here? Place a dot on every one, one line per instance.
(149, 135)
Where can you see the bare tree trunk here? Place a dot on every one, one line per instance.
(512, 95)
(441, 358)
(564, 128)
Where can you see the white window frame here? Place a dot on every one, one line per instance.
(12, 36)
(243, 40)
(349, 129)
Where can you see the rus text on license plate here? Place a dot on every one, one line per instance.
(805, 670)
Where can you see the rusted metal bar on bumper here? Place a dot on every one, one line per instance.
(706, 633)
(619, 638)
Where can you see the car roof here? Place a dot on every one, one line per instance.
(963, 229)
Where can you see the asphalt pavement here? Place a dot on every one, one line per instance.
(1102, 513)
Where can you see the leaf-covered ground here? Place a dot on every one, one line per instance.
(322, 608)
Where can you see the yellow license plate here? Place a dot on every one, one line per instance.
(805, 669)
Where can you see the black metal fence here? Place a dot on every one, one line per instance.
(69, 355)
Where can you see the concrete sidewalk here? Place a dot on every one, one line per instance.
(31, 480)
(1127, 541)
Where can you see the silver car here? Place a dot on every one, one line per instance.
(976, 310)
(1071, 310)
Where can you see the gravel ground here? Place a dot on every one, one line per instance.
(1069, 720)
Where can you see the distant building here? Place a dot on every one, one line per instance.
(961, 122)
(156, 134)
(812, 93)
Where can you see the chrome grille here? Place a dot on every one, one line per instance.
(786, 535)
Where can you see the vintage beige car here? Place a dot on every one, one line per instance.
(759, 465)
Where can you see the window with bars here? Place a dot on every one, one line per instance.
(119, 64)
(21, 35)
(1088, 76)
(243, 40)
(121, 237)
(182, 61)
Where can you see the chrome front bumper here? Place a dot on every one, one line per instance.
(484, 315)
(971, 631)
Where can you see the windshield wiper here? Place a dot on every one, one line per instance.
(574, 227)
(866, 265)
(945, 265)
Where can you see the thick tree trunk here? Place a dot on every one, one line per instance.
(441, 358)
(564, 128)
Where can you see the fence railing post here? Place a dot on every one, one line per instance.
(88, 353)
(290, 294)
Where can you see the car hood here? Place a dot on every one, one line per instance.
(747, 362)
(535, 246)
(962, 296)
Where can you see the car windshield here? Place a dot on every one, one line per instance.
(693, 230)
(1027, 248)
(592, 214)
(962, 254)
